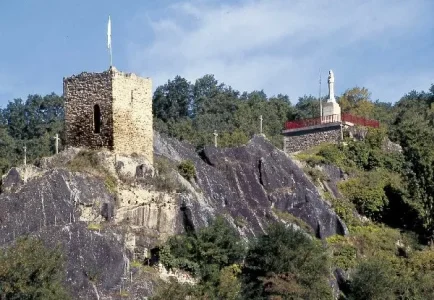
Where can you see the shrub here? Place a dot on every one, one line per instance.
(286, 264)
(187, 170)
(240, 221)
(311, 159)
(332, 154)
(287, 217)
(165, 178)
(205, 252)
(316, 174)
(367, 193)
(373, 279)
(94, 226)
(83, 161)
(87, 161)
(30, 270)
(344, 253)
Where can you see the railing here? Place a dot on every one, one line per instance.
(360, 121)
(331, 119)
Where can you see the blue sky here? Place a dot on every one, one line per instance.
(279, 46)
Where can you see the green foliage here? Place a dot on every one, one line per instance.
(332, 154)
(176, 291)
(192, 111)
(205, 252)
(32, 123)
(87, 161)
(29, 270)
(286, 263)
(316, 174)
(94, 226)
(187, 169)
(344, 208)
(357, 101)
(229, 283)
(367, 193)
(211, 254)
(165, 177)
(233, 139)
(287, 217)
(344, 253)
(374, 280)
(240, 221)
(413, 128)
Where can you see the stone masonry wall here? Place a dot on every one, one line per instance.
(125, 102)
(81, 93)
(132, 114)
(304, 140)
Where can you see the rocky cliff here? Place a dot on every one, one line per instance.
(103, 228)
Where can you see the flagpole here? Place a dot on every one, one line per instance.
(111, 57)
(109, 40)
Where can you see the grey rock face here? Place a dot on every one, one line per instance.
(47, 206)
(246, 182)
(12, 180)
(95, 263)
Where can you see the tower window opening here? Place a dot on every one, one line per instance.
(96, 119)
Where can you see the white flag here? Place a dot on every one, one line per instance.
(109, 33)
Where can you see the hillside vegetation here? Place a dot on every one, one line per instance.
(386, 200)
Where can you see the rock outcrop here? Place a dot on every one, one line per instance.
(100, 229)
(245, 184)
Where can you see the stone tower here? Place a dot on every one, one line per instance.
(110, 110)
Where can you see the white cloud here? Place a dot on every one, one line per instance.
(275, 45)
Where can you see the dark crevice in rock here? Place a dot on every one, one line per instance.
(187, 219)
(260, 172)
(205, 158)
(340, 229)
(318, 231)
(341, 280)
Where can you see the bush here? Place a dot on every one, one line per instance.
(87, 161)
(316, 174)
(205, 252)
(344, 253)
(94, 226)
(187, 169)
(165, 177)
(286, 264)
(30, 270)
(332, 154)
(83, 161)
(287, 217)
(367, 193)
(373, 279)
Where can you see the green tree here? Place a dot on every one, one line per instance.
(29, 270)
(413, 128)
(286, 263)
(307, 107)
(210, 249)
(374, 279)
(357, 101)
(172, 100)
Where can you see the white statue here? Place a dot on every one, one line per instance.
(331, 82)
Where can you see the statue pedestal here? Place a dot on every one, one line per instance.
(331, 112)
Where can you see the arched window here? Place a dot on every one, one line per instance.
(96, 119)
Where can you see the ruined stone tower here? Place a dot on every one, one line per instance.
(110, 110)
